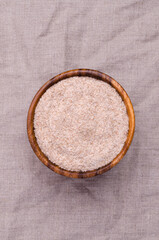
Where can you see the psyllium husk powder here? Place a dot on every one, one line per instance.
(81, 123)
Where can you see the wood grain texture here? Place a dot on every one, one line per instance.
(72, 73)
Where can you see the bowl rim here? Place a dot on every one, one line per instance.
(71, 73)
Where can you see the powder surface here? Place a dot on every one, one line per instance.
(81, 123)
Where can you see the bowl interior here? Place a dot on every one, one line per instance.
(89, 73)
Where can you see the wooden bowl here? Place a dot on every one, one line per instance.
(89, 73)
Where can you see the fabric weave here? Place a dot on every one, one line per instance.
(38, 40)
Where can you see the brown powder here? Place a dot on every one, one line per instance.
(81, 123)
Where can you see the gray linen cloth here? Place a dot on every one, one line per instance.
(39, 39)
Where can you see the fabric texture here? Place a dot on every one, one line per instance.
(38, 40)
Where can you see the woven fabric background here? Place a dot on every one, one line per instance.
(38, 40)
